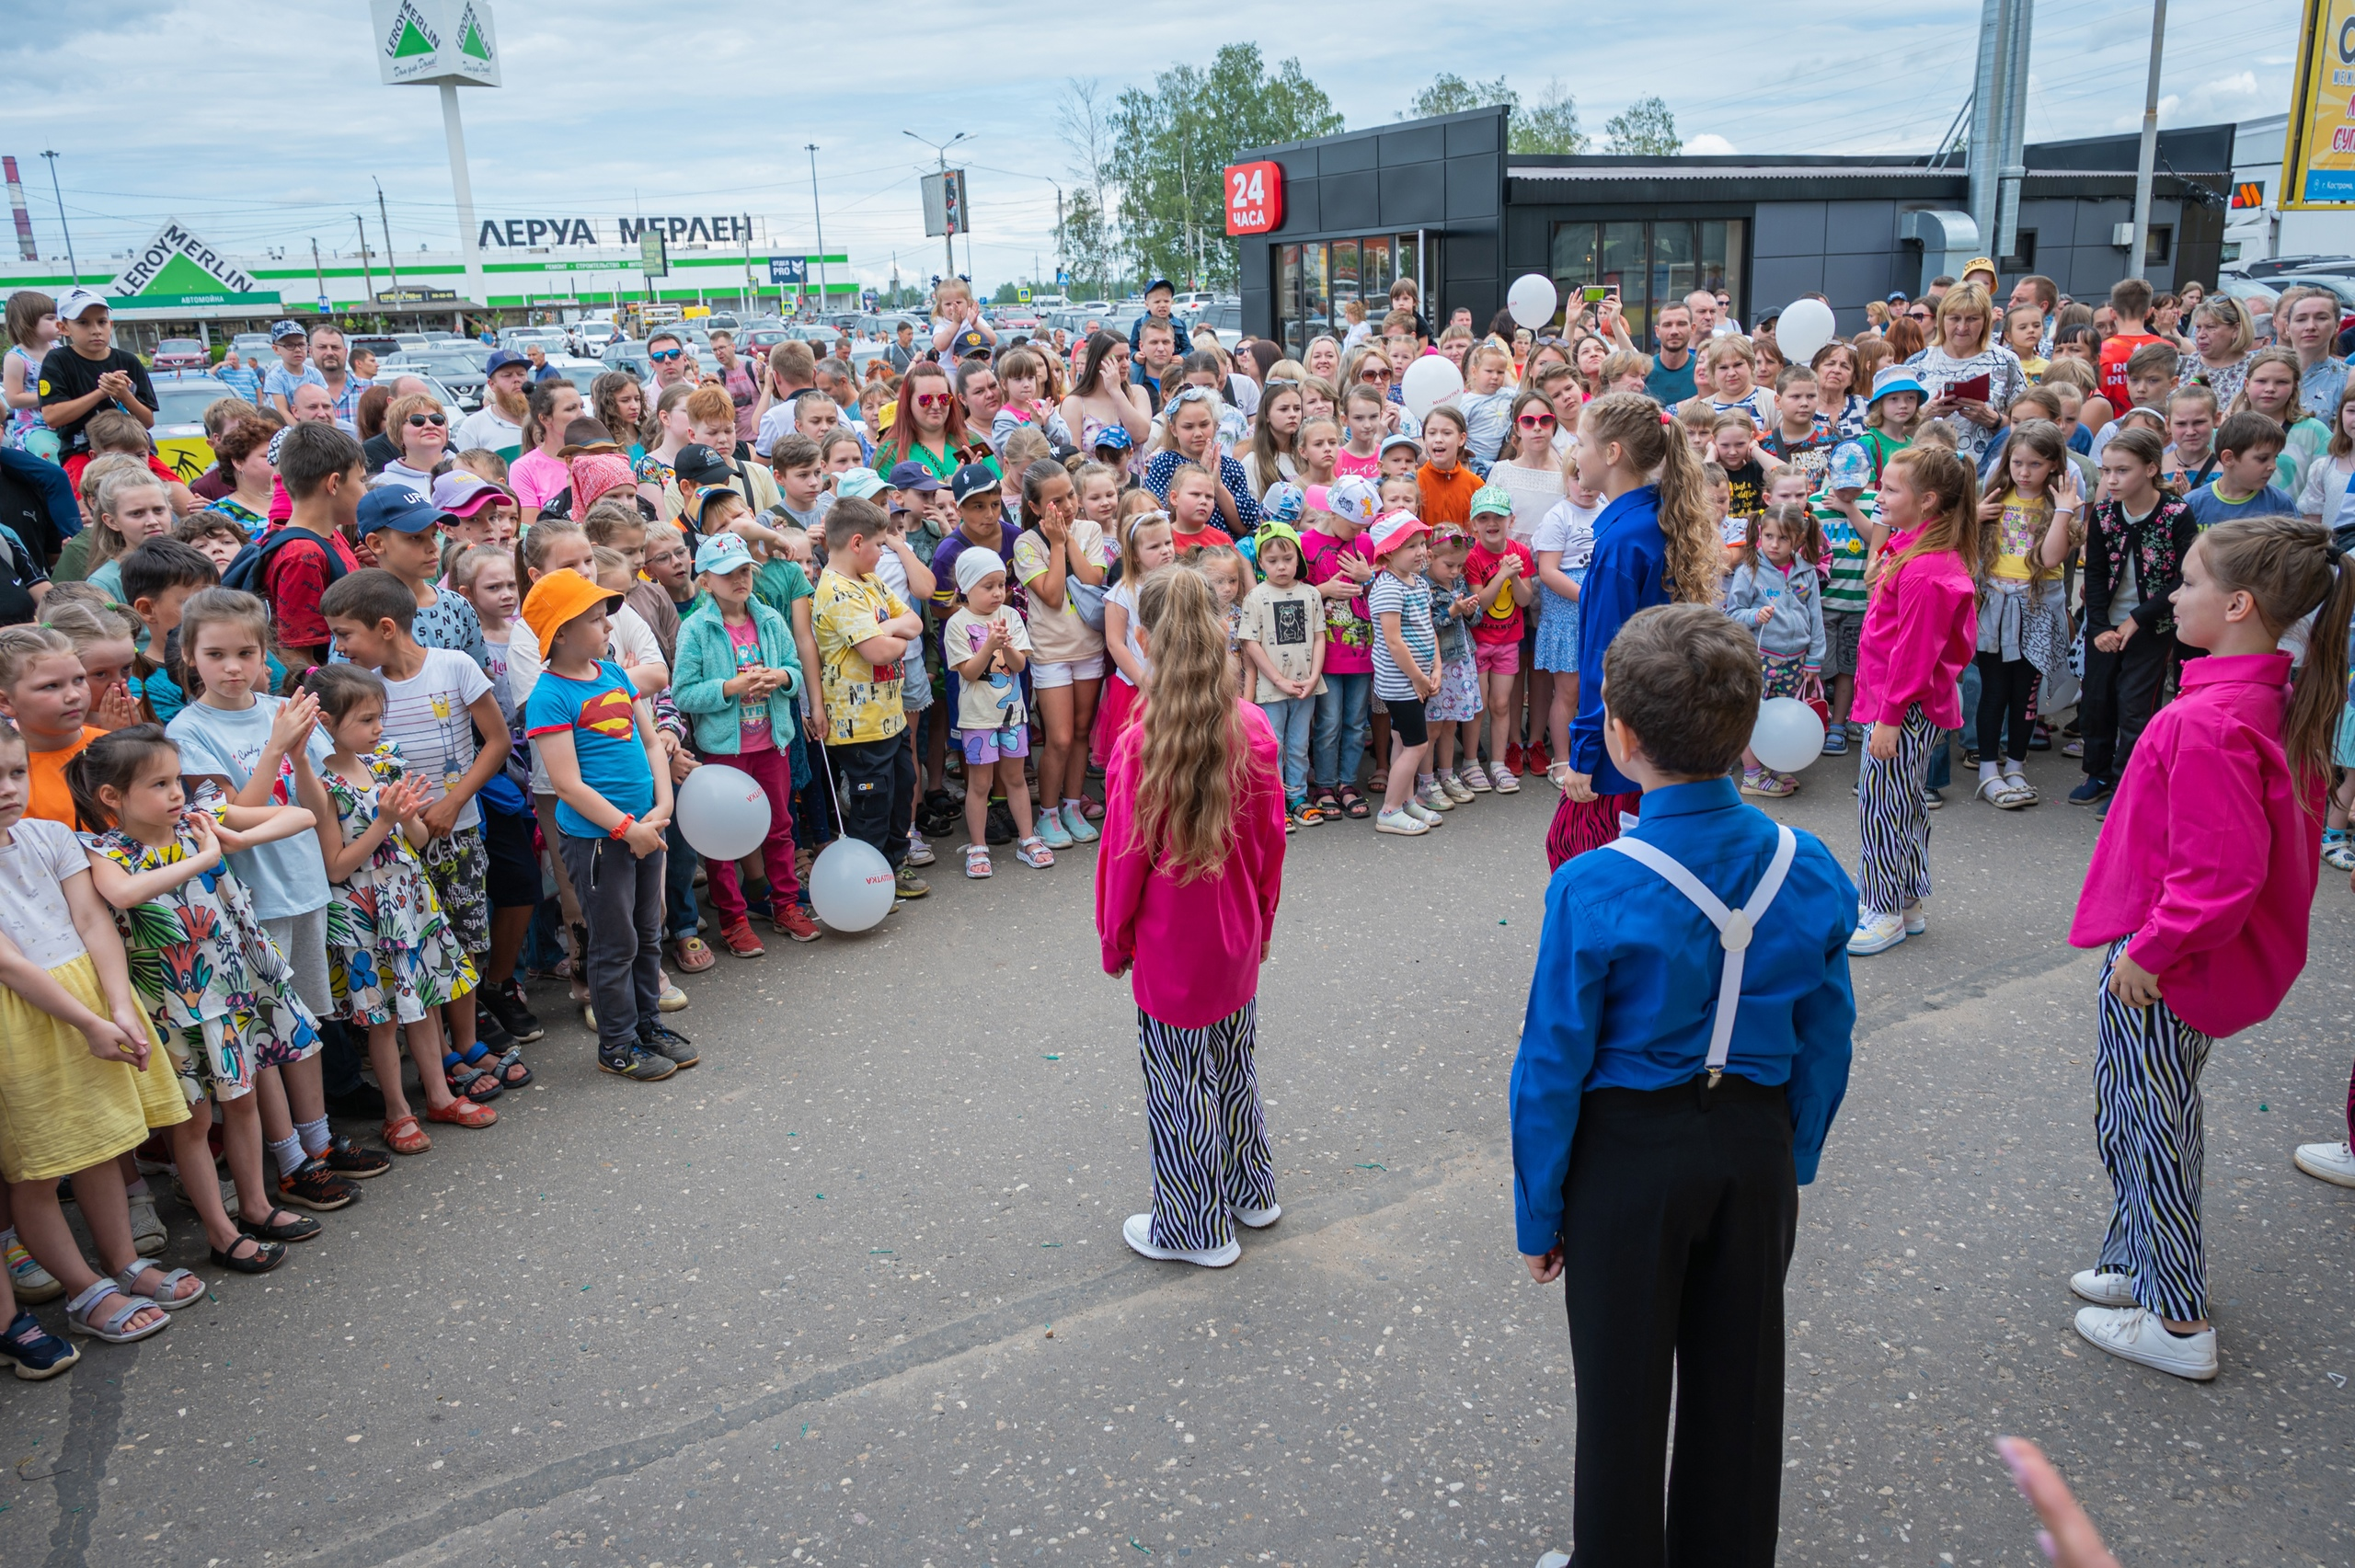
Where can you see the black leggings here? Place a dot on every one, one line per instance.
(2003, 688)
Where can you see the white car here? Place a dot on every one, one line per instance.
(589, 337)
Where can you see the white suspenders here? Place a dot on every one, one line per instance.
(1734, 926)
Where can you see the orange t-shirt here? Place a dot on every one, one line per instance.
(1447, 498)
(51, 801)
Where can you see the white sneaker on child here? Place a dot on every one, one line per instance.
(1876, 932)
(1138, 1233)
(1457, 790)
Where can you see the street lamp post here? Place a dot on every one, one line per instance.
(71, 266)
(812, 148)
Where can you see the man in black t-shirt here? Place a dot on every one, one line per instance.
(87, 372)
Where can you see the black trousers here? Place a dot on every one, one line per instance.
(1678, 1229)
(2121, 693)
(875, 783)
(2004, 690)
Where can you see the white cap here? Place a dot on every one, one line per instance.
(74, 302)
(975, 567)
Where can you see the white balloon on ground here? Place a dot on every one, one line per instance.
(1804, 326)
(723, 812)
(1787, 736)
(1429, 381)
(851, 885)
(1532, 300)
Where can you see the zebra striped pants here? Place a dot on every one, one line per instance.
(1209, 1142)
(2147, 1126)
(1893, 821)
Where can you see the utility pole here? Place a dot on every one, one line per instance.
(71, 266)
(2135, 265)
(392, 258)
(819, 214)
(367, 275)
(318, 272)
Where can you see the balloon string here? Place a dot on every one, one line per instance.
(833, 788)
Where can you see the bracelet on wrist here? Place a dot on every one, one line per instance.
(622, 827)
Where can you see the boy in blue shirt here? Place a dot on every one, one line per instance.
(1680, 1065)
(2247, 447)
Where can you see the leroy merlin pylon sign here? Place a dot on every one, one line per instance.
(422, 41)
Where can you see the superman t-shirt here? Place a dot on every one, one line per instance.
(598, 714)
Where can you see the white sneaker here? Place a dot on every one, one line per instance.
(1555, 1559)
(1876, 934)
(1400, 822)
(1421, 813)
(2334, 1163)
(2131, 1333)
(2103, 1287)
(1259, 1219)
(1138, 1233)
(1917, 917)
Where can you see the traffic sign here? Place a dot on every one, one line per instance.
(324, 306)
(1022, 296)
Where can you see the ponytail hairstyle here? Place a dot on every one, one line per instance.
(2291, 569)
(1951, 484)
(1191, 745)
(342, 687)
(1035, 480)
(20, 646)
(540, 402)
(1794, 520)
(114, 761)
(1696, 553)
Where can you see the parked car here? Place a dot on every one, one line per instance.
(381, 346)
(759, 338)
(180, 354)
(2281, 266)
(582, 373)
(590, 337)
(251, 345)
(718, 322)
(461, 374)
(627, 354)
(412, 341)
(549, 338)
(181, 399)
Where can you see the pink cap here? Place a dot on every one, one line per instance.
(1389, 532)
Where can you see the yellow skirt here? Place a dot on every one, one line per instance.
(62, 1109)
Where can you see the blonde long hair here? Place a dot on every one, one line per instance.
(1695, 555)
(1191, 745)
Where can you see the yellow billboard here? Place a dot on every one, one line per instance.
(2318, 158)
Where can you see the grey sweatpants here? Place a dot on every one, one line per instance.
(621, 903)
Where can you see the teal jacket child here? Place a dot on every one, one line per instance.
(707, 661)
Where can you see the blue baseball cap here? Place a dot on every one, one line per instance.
(913, 475)
(398, 508)
(1112, 438)
(722, 553)
(500, 359)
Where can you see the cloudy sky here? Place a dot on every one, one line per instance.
(261, 123)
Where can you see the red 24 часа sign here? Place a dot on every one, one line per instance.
(1255, 197)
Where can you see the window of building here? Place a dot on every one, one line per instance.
(1653, 262)
(2157, 245)
(2023, 256)
(1316, 279)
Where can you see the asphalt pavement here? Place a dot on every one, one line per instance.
(852, 1291)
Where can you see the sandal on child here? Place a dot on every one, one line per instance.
(265, 1256)
(166, 1290)
(977, 861)
(278, 1225)
(462, 1112)
(82, 1314)
(1327, 803)
(403, 1136)
(1033, 853)
(1353, 804)
(508, 1069)
(473, 1083)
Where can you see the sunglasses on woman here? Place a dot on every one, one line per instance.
(1374, 373)
(1534, 421)
(934, 399)
(420, 421)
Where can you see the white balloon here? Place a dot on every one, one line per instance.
(1806, 326)
(1532, 300)
(1429, 381)
(1787, 736)
(723, 811)
(851, 884)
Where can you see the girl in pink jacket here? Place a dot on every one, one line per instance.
(2200, 889)
(1186, 889)
(1920, 628)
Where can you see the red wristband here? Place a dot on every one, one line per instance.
(622, 827)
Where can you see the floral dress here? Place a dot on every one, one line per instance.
(220, 993)
(391, 954)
